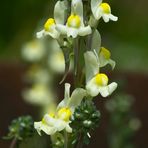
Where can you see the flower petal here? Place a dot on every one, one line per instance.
(67, 91)
(72, 32)
(77, 8)
(113, 18)
(39, 126)
(98, 13)
(96, 41)
(40, 34)
(91, 65)
(54, 34)
(64, 102)
(60, 125)
(62, 29)
(106, 18)
(103, 61)
(83, 31)
(59, 12)
(92, 88)
(94, 6)
(108, 90)
(68, 129)
(76, 97)
(49, 120)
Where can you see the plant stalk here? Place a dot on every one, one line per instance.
(65, 139)
(13, 143)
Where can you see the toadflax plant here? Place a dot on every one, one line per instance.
(76, 32)
(74, 28)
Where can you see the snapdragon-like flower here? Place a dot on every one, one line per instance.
(58, 121)
(103, 10)
(37, 74)
(50, 24)
(49, 29)
(99, 84)
(103, 55)
(75, 25)
(39, 94)
(59, 65)
(56, 54)
(33, 51)
(96, 82)
(105, 58)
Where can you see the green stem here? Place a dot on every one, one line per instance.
(65, 139)
(76, 62)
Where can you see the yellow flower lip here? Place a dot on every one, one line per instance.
(101, 79)
(64, 113)
(105, 52)
(49, 24)
(105, 7)
(74, 21)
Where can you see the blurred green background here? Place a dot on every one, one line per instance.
(127, 38)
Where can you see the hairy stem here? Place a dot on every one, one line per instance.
(80, 141)
(13, 143)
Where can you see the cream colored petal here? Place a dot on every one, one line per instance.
(92, 88)
(68, 129)
(94, 6)
(77, 8)
(62, 29)
(113, 18)
(40, 34)
(104, 62)
(59, 11)
(108, 90)
(91, 65)
(59, 65)
(54, 34)
(60, 125)
(33, 51)
(38, 95)
(96, 41)
(83, 31)
(76, 97)
(64, 102)
(106, 18)
(39, 126)
(49, 120)
(72, 32)
(67, 91)
(98, 13)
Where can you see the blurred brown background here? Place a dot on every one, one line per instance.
(127, 39)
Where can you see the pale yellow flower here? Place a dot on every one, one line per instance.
(103, 10)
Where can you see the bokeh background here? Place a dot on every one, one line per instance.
(127, 39)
